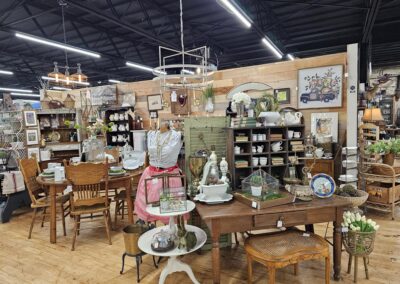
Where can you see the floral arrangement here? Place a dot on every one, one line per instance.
(266, 103)
(357, 223)
(385, 147)
(99, 127)
(241, 98)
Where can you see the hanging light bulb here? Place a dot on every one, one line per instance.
(56, 73)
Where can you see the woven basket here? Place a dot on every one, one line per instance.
(359, 243)
(356, 201)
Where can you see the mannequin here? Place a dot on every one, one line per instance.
(163, 146)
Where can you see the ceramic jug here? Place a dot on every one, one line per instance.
(120, 138)
(121, 116)
(121, 127)
(114, 138)
(116, 116)
(111, 117)
(260, 148)
(114, 127)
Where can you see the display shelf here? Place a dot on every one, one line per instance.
(237, 173)
(109, 114)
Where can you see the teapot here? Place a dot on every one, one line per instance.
(121, 138)
(121, 127)
(293, 118)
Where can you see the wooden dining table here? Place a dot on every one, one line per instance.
(237, 217)
(114, 182)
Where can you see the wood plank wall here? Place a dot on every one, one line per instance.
(277, 75)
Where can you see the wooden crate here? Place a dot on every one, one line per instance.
(382, 192)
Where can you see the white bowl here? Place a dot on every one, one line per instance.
(216, 191)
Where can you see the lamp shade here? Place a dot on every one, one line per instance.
(373, 114)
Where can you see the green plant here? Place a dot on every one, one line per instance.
(385, 147)
(266, 103)
(208, 92)
(256, 180)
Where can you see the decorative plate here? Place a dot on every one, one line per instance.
(55, 136)
(323, 185)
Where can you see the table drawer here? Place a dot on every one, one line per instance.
(288, 218)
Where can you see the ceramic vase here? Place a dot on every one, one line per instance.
(240, 109)
(209, 107)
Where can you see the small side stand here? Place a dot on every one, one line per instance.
(138, 262)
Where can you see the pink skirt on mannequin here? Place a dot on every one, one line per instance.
(153, 192)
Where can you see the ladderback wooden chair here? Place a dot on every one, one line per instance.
(30, 170)
(88, 180)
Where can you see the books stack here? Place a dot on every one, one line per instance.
(242, 138)
(237, 122)
(274, 136)
(277, 161)
(297, 146)
(241, 164)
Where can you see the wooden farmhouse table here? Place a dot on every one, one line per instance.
(58, 187)
(237, 217)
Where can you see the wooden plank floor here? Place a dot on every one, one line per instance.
(94, 261)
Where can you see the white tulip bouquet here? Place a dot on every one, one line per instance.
(239, 98)
(357, 223)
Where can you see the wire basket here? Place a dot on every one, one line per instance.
(359, 243)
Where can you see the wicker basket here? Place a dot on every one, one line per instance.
(359, 243)
(356, 201)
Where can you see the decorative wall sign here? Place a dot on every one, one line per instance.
(32, 137)
(154, 102)
(30, 118)
(320, 87)
(282, 95)
(325, 124)
(103, 95)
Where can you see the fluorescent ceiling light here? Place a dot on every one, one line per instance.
(187, 71)
(24, 95)
(61, 88)
(114, 81)
(57, 44)
(15, 90)
(277, 52)
(237, 13)
(290, 56)
(66, 81)
(143, 67)
(6, 72)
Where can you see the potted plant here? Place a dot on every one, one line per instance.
(256, 183)
(387, 148)
(208, 95)
(358, 234)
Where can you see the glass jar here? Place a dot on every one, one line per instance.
(95, 150)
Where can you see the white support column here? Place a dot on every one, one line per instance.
(352, 91)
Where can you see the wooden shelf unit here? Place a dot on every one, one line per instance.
(126, 132)
(278, 171)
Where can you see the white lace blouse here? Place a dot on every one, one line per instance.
(163, 148)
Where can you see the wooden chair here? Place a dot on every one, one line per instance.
(87, 180)
(30, 169)
(278, 250)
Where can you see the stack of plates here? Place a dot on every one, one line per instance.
(47, 175)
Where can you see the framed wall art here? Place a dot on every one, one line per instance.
(30, 118)
(153, 114)
(325, 124)
(320, 87)
(32, 136)
(34, 151)
(282, 95)
(154, 102)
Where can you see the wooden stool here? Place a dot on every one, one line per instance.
(278, 250)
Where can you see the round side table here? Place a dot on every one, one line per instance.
(174, 264)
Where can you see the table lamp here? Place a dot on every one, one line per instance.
(372, 115)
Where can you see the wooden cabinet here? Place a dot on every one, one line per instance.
(326, 166)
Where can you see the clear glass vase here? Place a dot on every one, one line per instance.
(95, 150)
(240, 109)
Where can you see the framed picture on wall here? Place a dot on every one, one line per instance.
(32, 136)
(153, 114)
(325, 124)
(282, 95)
(320, 87)
(154, 102)
(30, 118)
(34, 151)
